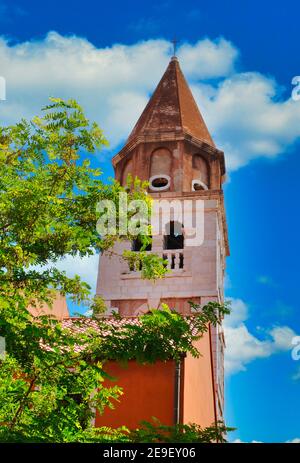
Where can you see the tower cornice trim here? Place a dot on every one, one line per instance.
(168, 136)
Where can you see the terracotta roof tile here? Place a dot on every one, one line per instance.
(82, 325)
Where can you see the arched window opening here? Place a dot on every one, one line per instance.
(160, 169)
(173, 239)
(198, 185)
(200, 172)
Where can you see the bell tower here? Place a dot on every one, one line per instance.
(171, 148)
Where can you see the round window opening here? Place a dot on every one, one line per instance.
(159, 182)
(197, 185)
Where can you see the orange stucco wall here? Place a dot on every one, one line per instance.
(59, 308)
(198, 388)
(148, 390)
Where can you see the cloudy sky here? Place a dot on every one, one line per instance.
(240, 67)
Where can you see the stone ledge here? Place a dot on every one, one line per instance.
(175, 273)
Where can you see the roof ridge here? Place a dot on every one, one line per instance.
(177, 69)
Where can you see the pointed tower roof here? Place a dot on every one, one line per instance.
(172, 108)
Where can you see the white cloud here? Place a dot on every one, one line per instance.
(208, 59)
(242, 110)
(296, 440)
(239, 441)
(243, 347)
(247, 118)
(85, 267)
(282, 338)
(111, 83)
(238, 314)
(227, 282)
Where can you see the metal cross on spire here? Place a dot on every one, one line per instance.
(174, 41)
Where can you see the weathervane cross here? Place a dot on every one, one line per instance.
(174, 41)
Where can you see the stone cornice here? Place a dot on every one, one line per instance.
(169, 136)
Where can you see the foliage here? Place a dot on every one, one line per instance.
(153, 432)
(49, 193)
(185, 433)
(151, 265)
(48, 388)
(51, 378)
(156, 432)
(160, 334)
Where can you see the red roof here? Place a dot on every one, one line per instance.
(82, 325)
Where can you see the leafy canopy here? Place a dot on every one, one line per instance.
(51, 378)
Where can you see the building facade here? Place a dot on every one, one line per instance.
(171, 148)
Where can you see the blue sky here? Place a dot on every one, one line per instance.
(243, 86)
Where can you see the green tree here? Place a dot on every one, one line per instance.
(51, 376)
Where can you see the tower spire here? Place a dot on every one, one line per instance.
(172, 108)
